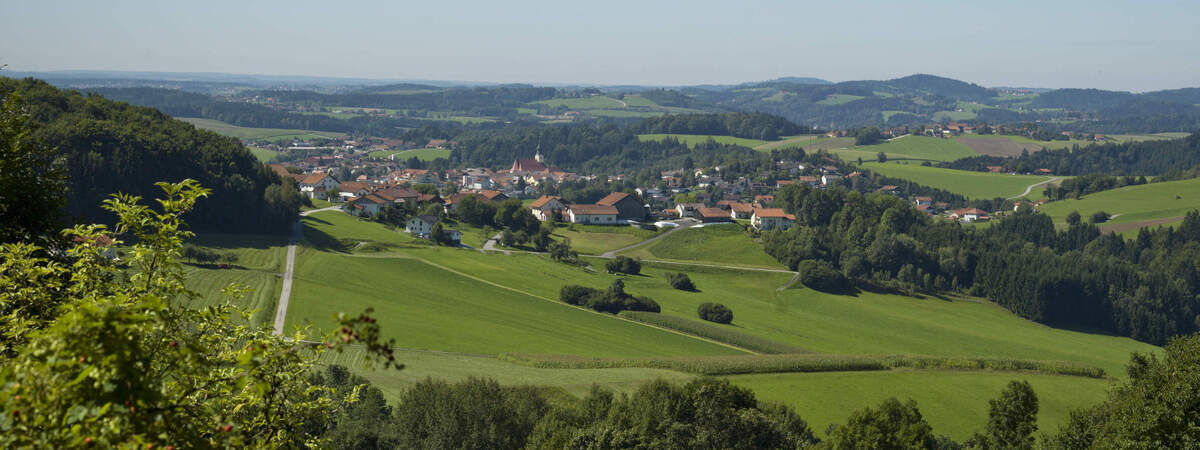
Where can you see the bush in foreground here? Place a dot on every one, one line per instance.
(681, 281)
(715, 312)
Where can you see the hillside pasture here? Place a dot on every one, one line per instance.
(592, 102)
(259, 134)
(976, 185)
(692, 140)
(423, 154)
(998, 145)
(598, 239)
(259, 262)
(713, 244)
(1145, 203)
(789, 142)
(919, 148)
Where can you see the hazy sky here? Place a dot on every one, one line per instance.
(1127, 45)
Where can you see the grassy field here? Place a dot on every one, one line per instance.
(263, 155)
(955, 403)
(978, 185)
(423, 154)
(593, 102)
(259, 261)
(839, 99)
(694, 139)
(915, 147)
(259, 134)
(597, 239)
(453, 300)
(789, 142)
(624, 113)
(717, 244)
(1133, 203)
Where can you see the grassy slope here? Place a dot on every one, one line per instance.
(1133, 203)
(915, 147)
(694, 139)
(263, 155)
(954, 403)
(423, 154)
(258, 134)
(597, 239)
(719, 244)
(260, 260)
(977, 185)
(593, 102)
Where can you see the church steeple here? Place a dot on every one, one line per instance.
(537, 156)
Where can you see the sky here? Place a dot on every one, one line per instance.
(1120, 45)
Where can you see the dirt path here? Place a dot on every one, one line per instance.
(285, 293)
(685, 223)
(1029, 188)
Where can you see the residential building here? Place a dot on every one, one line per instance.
(421, 226)
(548, 207)
(592, 214)
(771, 219)
(316, 184)
(687, 209)
(713, 215)
(628, 207)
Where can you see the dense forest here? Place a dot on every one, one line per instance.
(1130, 158)
(743, 125)
(1077, 278)
(114, 147)
(482, 100)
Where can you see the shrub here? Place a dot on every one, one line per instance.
(576, 295)
(624, 264)
(613, 300)
(821, 275)
(681, 281)
(715, 312)
(1100, 217)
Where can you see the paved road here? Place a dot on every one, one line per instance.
(683, 223)
(1029, 188)
(490, 245)
(285, 293)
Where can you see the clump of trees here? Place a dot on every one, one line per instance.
(623, 264)
(1100, 217)
(681, 281)
(715, 312)
(204, 255)
(612, 300)
(821, 276)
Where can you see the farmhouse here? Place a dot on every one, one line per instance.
(687, 209)
(969, 214)
(548, 207)
(628, 207)
(923, 201)
(593, 214)
(367, 205)
(421, 226)
(771, 219)
(713, 215)
(738, 210)
(316, 184)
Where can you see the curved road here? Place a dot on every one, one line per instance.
(683, 223)
(285, 292)
(1029, 188)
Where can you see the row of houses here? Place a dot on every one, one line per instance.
(617, 208)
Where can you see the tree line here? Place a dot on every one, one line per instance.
(1143, 288)
(741, 124)
(1160, 157)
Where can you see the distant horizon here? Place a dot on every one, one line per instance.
(418, 80)
(1122, 45)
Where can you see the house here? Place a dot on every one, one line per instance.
(103, 241)
(548, 207)
(782, 183)
(740, 210)
(628, 207)
(829, 179)
(353, 189)
(367, 205)
(687, 209)
(713, 215)
(889, 189)
(923, 201)
(316, 184)
(453, 201)
(421, 226)
(810, 180)
(593, 214)
(995, 169)
(969, 214)
(771, 219)
(453, 236)
(493, 196)
(399, 195)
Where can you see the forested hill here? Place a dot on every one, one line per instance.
(1131, 158)
(744, 125)
(114, 147)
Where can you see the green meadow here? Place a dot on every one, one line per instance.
(423, 154)
(593, 102)
(977, 185)
(692, 140)
(912, 147)
(457, 313)
(259, 134)
(259, 262)
(713, 244)
(1133, 204)
(263, 155)
(954, 402)
(598, 239)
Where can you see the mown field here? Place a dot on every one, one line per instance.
(263, 155)
(1133, 204)
(977, 185)
(598, 239)
(910, 147)
(423, 154)
(479, 306)
(259, 134)
(259, 262)
(714, 244)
